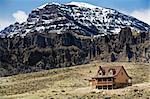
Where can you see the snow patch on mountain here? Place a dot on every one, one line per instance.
(84, 18)
(82, 4)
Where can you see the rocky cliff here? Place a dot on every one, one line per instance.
(37, 52)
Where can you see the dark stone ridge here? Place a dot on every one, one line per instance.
(42, 51)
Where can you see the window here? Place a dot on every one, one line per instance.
(109, 79)
(129, 81)
(112, 72)
(104, 87)
(100, 73)
(99, 79)
(103, 73)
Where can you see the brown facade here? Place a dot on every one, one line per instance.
(110, 78)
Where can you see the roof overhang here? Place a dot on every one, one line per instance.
(96, 77)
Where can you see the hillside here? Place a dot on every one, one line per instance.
(72, 83)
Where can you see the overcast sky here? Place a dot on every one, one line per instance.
(18, 10)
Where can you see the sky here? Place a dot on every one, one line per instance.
(12, 11)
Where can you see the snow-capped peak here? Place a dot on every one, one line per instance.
(82, 4)
(84, 18)
(40, 7)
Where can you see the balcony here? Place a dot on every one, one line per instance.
(102, 83)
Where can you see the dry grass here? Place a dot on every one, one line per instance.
(71, 82)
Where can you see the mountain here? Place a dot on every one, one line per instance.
(62, 35)
(87, 19)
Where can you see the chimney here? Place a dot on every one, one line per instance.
(100, 68)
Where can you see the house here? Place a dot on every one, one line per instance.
(111, 78)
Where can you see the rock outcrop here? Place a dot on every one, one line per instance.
(37, 52)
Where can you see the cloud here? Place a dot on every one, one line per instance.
(20, 16)
(5, 23)
(143, 15)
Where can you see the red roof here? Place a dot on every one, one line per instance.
(106, 70)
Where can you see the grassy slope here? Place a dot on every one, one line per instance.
(72, 82)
